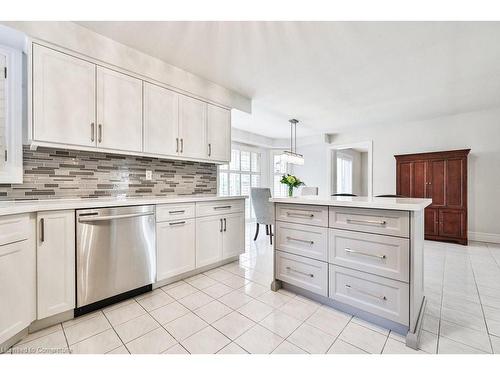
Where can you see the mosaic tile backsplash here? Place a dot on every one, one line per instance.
(52, 173)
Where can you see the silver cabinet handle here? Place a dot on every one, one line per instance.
(299, 215)
(222, 207)
(220, 230)
(182, 145)
(112, 217)
(384, 298)
(42, 229)
(209, 149)
(299, 240)
(299, 272)
(176, 144)
(365, 254)
(177, 223)
(370, 222)
(177, 212)
(99, 136)
(225, 225)
(92, 132)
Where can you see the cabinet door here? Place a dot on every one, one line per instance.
(161, 125)
(419, 180)
(233, 235)
(431, 221)
(119, 111)
(17, 281)
(192, 128)
(175, 248)
(437, 170)
(455, 183)
(55, 262)
(452, 223)
(405, 179)
(63, 98)
(208, 240)
(219, 133)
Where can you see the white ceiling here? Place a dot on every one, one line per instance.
(331, 75)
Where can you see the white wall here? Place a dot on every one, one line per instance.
(479, 131)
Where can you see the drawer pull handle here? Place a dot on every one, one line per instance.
(177, 212)
(370, 222)
(366, 254)
(299, 215)
(177, 223)
(300, 272)
(222, 207)
(299, 240)
(384, 298)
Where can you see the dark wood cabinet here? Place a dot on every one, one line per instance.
(441, 176)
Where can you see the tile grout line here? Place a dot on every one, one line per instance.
(113, 328)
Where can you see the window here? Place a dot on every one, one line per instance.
(279, 168)
(242, 173)
(344, 174)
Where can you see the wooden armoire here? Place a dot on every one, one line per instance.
(441, 176)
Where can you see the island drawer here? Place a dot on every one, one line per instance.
(219, 207)
(388, 222)
(167, 212)
(13, 228)
(303, 272)
(381, 255)
(306, 240)
(377, 295)
(303, 214)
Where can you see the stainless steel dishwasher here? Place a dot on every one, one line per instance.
(115, 255)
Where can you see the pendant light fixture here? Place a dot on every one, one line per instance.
(292, 156)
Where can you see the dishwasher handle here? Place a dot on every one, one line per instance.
(112, 217)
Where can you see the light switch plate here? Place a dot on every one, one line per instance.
(149, 175)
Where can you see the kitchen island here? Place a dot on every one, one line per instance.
(361, 255)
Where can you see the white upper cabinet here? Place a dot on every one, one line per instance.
(63, 98)
(161, 120)
(192, 128)
(218, 133)
(119, 111)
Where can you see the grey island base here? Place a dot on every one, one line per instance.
(360, 255)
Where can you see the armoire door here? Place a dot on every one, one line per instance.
(431, 221)
(455, 180)
(63, 98)
(452, 223)
(437, 182)
(419, 179)
(119, 111)
(405, 179)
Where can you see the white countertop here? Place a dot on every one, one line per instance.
(17, 207)
(403, 204)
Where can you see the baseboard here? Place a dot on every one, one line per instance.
(484, 237)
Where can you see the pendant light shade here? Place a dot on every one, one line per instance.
(292, 156)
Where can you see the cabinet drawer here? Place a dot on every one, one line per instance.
(377, 295)
(305, 240)
(302, 214)
(219, 207)
(167, 212)
(302, 272)
(393, 223)
(381, 255)
(13, 229)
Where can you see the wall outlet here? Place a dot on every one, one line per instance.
(149, 175)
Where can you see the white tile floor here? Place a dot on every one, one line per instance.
(231, 310)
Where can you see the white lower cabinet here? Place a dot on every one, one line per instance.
(55, 262)
(233, 239)
(175, 248)
(209, 231)
(219, 237)
(17, 275)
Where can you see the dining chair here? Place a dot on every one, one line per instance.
(264, 211)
